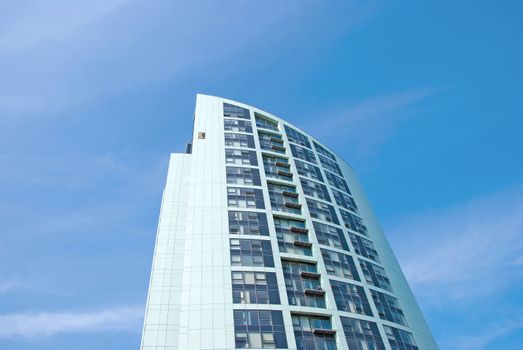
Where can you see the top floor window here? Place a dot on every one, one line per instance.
(233, 111)
(297, 137)
(323, 151)
(265, 123)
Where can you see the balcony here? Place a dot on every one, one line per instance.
(310, 275)
(302, 244)
(314, 292)
(290, 194)
(321, 331)
(284, 173)
(299, 230)
(283, 165)
(292, 205)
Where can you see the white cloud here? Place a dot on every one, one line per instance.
(487, 336)
(35, 325)
(464, 252)
(9, 285)
(44, 22)
(55, 55)
(366, 123)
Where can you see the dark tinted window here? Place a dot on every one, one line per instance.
(235, 111)
(251, 252)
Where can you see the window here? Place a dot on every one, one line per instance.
(388, 307)
(400, 339)
(240, 157)
(239, 140)
(339, 264)
(277, 167)
(201, 135)
(303, 153)
(375, 275)
(315, 189)
(271, 142)
(364, 247)
(248, 223)
(292, 236)
(235, 112)
(245, 198)
(330, 236)
(259, 329)
(303, 284)
(323, 151)
(265, 123)
(243, 176)
(284, 198)
(313, 332)
(337, 182)
(322, 211)
(237, 125)
(308, 170)
(350, 298)
(297, 137)
(330, 165)
(254, 288)
(251, 252)
(361, 335)
(353, 222)
(345, 201)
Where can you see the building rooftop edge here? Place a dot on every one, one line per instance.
(268, 114)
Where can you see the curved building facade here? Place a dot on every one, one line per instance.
(266, 240)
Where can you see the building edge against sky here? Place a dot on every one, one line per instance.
(262, 244)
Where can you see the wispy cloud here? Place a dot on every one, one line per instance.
(46, 22)
(366, 123)
(488, 335)
(10, 285)
(465, 252)
(44, 324)
(57, 54)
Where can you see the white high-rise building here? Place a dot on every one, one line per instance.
(266, 240)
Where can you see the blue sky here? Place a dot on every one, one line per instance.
(425, 98)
